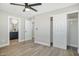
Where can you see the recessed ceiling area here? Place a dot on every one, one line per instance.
(45, 7)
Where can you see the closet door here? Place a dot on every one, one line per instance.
(28, 30)
(60, 31)
(72, 33)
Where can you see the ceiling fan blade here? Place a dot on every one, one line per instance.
(33, 9)
(16, 4)
(35, 4)
(24, 10)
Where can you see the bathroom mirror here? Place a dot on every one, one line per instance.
(14, 23)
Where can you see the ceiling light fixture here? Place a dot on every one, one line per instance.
(27, 9)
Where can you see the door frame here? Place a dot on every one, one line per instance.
(9, 28)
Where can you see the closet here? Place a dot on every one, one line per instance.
(72, 30)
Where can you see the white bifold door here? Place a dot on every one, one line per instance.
(28, 29)
(60, 31)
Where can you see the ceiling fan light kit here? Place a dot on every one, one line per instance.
(27, 9)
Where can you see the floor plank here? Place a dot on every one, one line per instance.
(29, 48)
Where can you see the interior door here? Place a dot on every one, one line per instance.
(60, 31)
(28, 30)
(72, 33)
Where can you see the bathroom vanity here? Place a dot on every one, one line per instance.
(13, 35)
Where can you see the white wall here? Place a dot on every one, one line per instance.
(42, 24)
(3, 29)
(4, 35)
(42, 29)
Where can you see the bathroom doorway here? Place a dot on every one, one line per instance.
(13, 24)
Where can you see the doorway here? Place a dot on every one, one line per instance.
(13, 24)
(51, 31)
(28, 29)
(72, 31)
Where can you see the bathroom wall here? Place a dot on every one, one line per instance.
(4, 33)
(11, 25)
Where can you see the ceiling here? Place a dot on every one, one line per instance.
(45, 7)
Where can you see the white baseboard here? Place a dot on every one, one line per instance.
(24, 40)
(3, 45)
(42, 43)
(72, 45)
(21, 40)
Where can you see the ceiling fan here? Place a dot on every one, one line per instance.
(27, 7)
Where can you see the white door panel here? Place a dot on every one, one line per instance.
(60, 31)
(28, 30)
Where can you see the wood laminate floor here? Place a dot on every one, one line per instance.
(29, 48)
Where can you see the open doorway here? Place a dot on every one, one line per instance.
(72, 31)
(28, 30)
(51, 31)
(13, 24)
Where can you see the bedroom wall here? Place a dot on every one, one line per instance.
(42, 25)
(42, 29)
(4, 34)
(3, 29)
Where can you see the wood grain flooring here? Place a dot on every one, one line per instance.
(29, 48)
